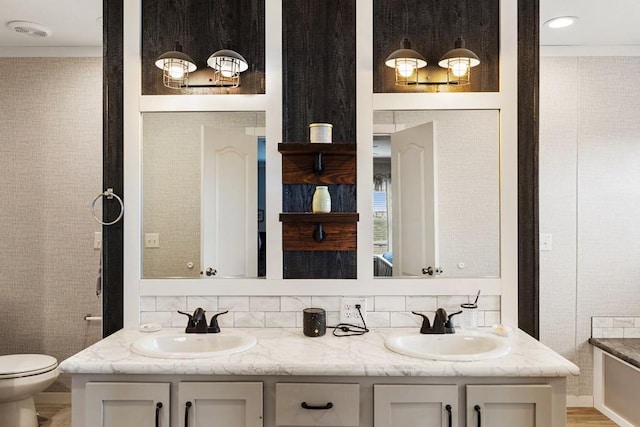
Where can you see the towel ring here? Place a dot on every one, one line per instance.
(109, 194)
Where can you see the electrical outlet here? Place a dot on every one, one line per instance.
(349, 312)
(151, 240)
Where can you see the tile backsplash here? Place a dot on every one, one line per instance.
(615, 327)
(286, 311)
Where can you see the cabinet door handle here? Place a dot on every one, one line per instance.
(158, 408)
(448, 409)
(305, 405)
(187, 406)
(477, 409)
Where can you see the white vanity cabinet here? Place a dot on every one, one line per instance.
(126, 404)
(415, 405)
(197, 404)
(496, 405)
(228, 404)
(509, 405)
(315, 404)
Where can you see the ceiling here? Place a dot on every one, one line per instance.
(73, 23)
(76, 23)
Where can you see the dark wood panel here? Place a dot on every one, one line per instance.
(528, 95)
(432, 26)
(203, 27)
(319, 74)
(319, 265)
(299, 236)
(336, 169)
(298, 197)
(112, 168)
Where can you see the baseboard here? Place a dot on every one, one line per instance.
(53, 398)
(580, 401)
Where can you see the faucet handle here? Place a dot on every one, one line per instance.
(448, 325)
(426, 325)
(190, 324)
(214, 328)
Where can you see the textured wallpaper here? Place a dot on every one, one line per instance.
(589, 200)
(50, 171)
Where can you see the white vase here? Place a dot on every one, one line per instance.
(321, 200)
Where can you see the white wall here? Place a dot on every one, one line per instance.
(589, 200)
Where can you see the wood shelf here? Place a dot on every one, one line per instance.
(306, 163)
(332, 217)
(339, 148)
(306, 231)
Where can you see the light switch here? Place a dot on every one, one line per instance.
(151, 240)
(545, 241)
(97, 240)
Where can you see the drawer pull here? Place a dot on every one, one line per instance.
(158, 408)
(305, 405)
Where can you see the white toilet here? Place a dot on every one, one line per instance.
(21, 377)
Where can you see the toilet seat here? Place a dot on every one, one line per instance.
(24, 365)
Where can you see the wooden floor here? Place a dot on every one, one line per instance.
(576, 417)
(588, 417)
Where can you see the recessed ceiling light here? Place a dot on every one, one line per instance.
(29, 29)
(561, 21)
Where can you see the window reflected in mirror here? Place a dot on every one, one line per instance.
(203, 195)
(436, 194)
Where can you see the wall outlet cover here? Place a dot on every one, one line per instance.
(349, 312)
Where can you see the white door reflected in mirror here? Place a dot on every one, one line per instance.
(229, 203)
(414, 182)
(203, 193)
(436, 199)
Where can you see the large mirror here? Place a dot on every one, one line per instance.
(203, 195)
(436, 200)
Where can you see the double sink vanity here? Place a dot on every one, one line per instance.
(279, 377)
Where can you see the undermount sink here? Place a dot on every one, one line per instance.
(192, 346)
(463, 346)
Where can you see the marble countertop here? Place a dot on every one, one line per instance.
(627, 349)
(289, 352)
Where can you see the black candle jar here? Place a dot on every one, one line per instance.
(314, 322)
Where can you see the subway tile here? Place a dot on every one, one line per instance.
(623, 322)
(179, 320)
(405, 319)
(299, 319)
(487, 302)
(390, 303)
(378, 319)
(171, 303)
(250, 319)
(328, 303)
(451, 303)
(637, 322)
(612, 333)
(147, 303)
(293, 303)
(233, 304)
(631, 333)
(333, 318)
(225, 320)
(264, 303)
(209, 304)
(492, 318)
(161, 317)
(596, 332)
(284, 319)
(422, 303)
(602, 322)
